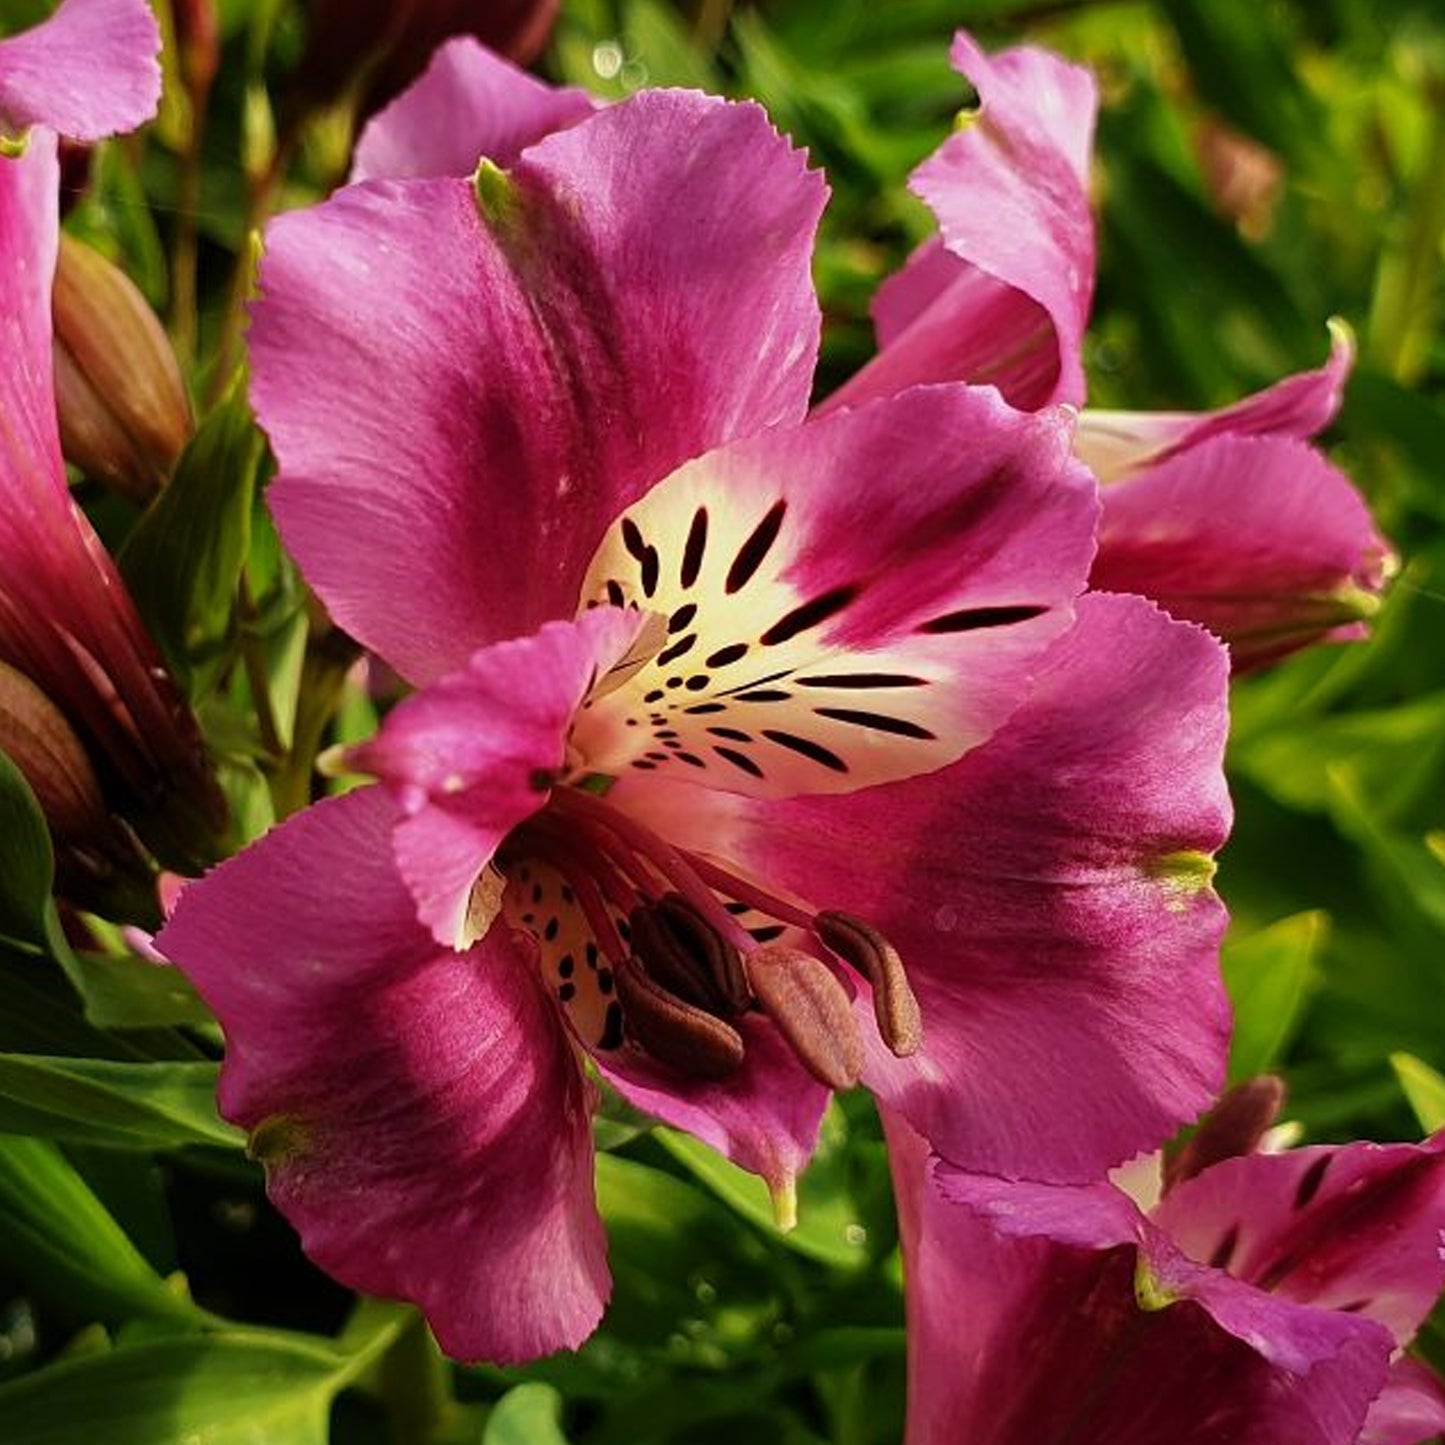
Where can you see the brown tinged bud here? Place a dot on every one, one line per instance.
(672, 1031)
(124, 413)
(198, 43)
(99, 864)
(1234, 1126)
(812, 1009)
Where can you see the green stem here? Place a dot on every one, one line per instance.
(257, 674)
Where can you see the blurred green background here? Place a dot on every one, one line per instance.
(1262, 166)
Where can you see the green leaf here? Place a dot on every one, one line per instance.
(1423, 1087)
(27, 867)
(526, 1415)
(1269, 976)
(58, 1237)
(115, 1105)
(184, 558)
(121, 991)
(241, 1388)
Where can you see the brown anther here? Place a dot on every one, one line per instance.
(672, 1031)
(894, 1005)
(1234, 1126)
(670, 962)
(723, 961)
(801, 995)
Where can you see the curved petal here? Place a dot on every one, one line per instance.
(474, 754)
(1106, 1360)
(1116, 444)
(89, 71)
(471, 103)
(855, 600)
(1355, 1227)
(1010, 194)
(1410, 1409)
(462, 393)
(765, 1118)
(1048, 896)
(422, 1117)
(1259, 539)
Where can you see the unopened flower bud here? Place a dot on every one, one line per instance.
(99, 864)
(198, 43)
(124, 414)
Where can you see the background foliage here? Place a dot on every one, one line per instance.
(147, 1293)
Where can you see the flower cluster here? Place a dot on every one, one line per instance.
(753, 749)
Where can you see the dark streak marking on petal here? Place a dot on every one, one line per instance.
(809, 615)
(765, 695)
(682, 617)
(739, 760)
(736, 735)
(751, 554)
(615, 594)
(1310, 1181)
(863, 680)
(678, 648)
(807, 748)
(879, 722)
(703, 707)
(693, 550)
(1224, 1250)
(725, 655)
(971, 619)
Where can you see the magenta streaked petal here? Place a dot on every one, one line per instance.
(473, 755)
(1194, 1358)
(1115, 444)
(1048, 895)
(422, 1115)
(1410, 1409)
(1009, 191)
(852, 601)
(1356, 1227)
(765, 1118)
(1259, 539)
(89, 71)
(470, 103)
(460, 406)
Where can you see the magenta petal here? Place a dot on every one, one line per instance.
(1410, 1409)
(1009, 191)
(89, 71)
(1259, 539)
(1194, 1359)
(421, 1113)
(1355, 1228)
(460, 405)
(470, 103)
(765, 1118)
(473, 755)
(1048, 895)
(1115, 444)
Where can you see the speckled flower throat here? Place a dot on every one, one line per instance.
(742, 682)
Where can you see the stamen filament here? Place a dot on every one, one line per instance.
(593, 813)
(718, 877)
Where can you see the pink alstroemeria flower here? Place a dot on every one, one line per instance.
(1265, 1299)
(1227, 519)
(707, 774)
(66, 619)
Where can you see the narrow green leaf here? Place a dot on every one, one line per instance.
(1269, 976)
(58, 1237)
(124, 992)
(27, 866)
(526, 1415)
(184, 558)
(241, 1388)
(1423, 1087)
(115, 1105)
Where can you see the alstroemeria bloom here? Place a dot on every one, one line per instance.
(66, 620)
(1265, 1299)
(1227, 519)
(704, 774)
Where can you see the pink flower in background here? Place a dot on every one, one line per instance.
(1264, 1299)
(1227, 519)
(751, 755)
(66, 620)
